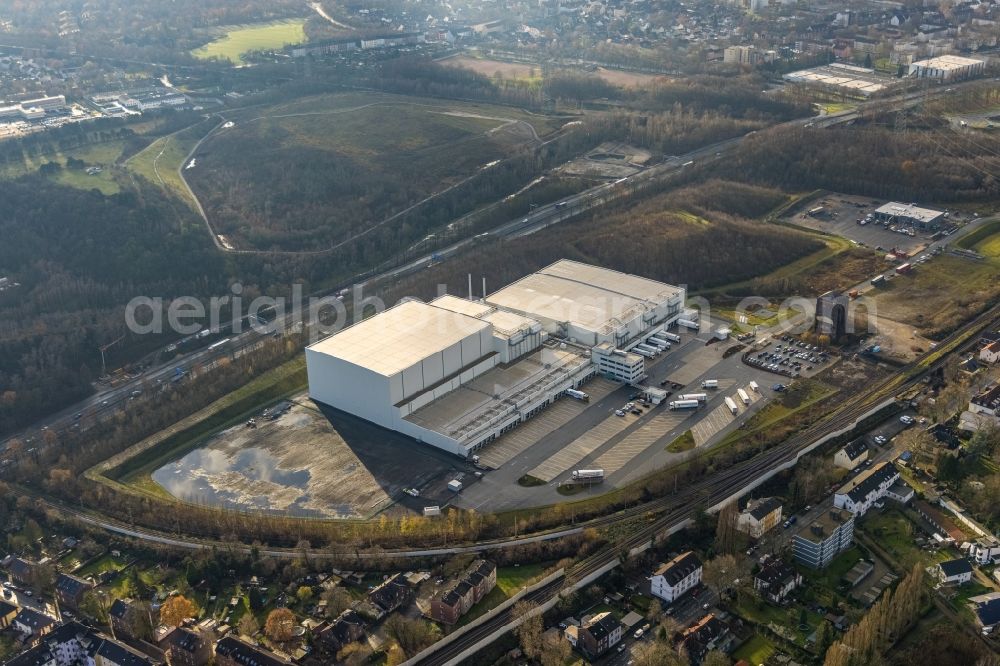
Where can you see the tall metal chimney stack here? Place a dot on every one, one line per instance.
(484, 287)
(470, 286)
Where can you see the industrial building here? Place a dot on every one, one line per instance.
(851, 80)
(456, 373)
(900, 213)
(947, 68)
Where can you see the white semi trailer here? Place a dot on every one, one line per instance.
(684, 404)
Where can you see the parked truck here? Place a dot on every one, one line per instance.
(878, 280)
(683, 404)
(743, 396)
(591, 475)
(853, 293)
(700, 397)
(643, 353)
(687, 323)
(731, 404)
(578, 395)
(672, 337)
(903, 269)
(710, 384)
(454, 485)
(662, 345)
(648, 349)
(755, 387)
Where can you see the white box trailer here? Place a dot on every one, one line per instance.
(432, 510)
(743, 396)
(649, 349)
(591, 475)
(684, 404)
(754, 387)
(578, 395)
(643, 353)
(672, 337)
(661, 345)
(687, 323)
(710, 384)
(731, 404)
(454, 485)
(700, 397)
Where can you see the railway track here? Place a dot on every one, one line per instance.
(681, 506)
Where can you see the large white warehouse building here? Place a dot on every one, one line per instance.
(456, 373)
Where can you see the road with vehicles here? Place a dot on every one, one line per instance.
(104, 404)
(684, 505)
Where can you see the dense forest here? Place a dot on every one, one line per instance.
(700, 235)
(79, 257)
(935, 165)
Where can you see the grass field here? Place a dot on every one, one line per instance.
(512, 579)
(238, 39)
(938, 295)
(755, 651)
(330, 166)
(985, 240)
(104, 155)
(159, 161)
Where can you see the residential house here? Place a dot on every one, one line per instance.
(987, 612)
(703, 636)
(32, 625)
(8, 612)
(851, 455)
(346, 628)
(185, 646)
(990, 353)
(901, 492)
(954, 572)
(862, 492)
(816, 544)
(231, 651)
(73, 644)
(598, 634)
(390, 595)
(21, 571)
(455, 601)
(984, 550)
(122, 615)
(70, 590)
(776, 580)
(673, 579)
(987, 403)
(759, 516)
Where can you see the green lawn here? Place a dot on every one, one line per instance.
(894, 532)
(238, 39)
(765, 614)
(512, 579)
(159, 161)
(684, 442)
(756, 651)
(485, 605)
(100, 565)
(104, 155)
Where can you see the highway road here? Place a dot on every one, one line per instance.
(108, 401)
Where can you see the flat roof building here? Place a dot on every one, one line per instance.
(922, 218)
(457, 373)
(947, 68)
(589, 304)
(816, 544)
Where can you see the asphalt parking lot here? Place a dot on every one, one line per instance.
(790, 357)
(840, 216)
(626, 447)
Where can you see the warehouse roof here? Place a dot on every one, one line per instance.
(462, 305)
(948, 62)
(588, 296)
(896, 209)
(399, 337)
